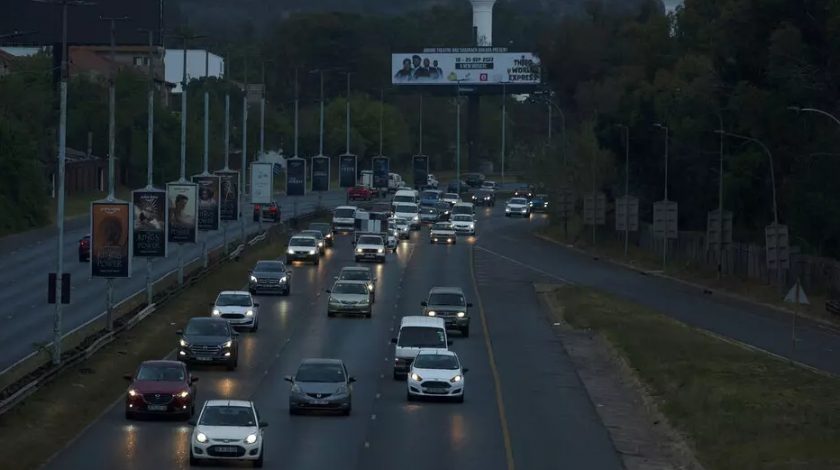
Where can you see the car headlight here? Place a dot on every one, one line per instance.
(329, 235)
(432, 313)
(507, 209)
(358, 250)
(216, 312)
(201, 437)
(228, 344)
(370, 286)
(416, 377)
(184, 394)
(456, 379)
(252, 438)
(311, 252)
(341, 390)
(416, 218)
(132, 392)
(249, 313)
(487, 198)
(183, 343)
(380, 250)
(320, 243)
(291, 251)
(253, 278)
(284, 279)
(295, 388)
(461, 314)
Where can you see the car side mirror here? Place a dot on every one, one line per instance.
(329, 291)
(179, 332)
(469, 304)
(335, 277)
(393, 340)
(192, 422)
(351, 380)
(424, 304)
(465, 370)
(256, 304)
(193, 380)
(289, 379)
(263, 424)
(128, 377)
(449, 342)
(212, 304)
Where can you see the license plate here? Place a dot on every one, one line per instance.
(226, 449)
(156, 407)
(205, 359)
(435, 390)
(319, 402)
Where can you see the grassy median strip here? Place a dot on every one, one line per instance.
(740, 409)
(57, 413)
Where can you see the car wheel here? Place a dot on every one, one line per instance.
(409, 396)
(129, 415)
(368, 314)
(465, 332)
(259, 462)
(193, 460)
(292, 411)
(346, 412)
(317, 261)
(330, 314)
(459, 398)
(255, 327)
(397, 376)
(232, 365)
(287, 291)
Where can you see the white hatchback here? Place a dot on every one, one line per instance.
(238, 308)
(436, 373)
(227, 430)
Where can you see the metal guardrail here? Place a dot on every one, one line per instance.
(832, 307)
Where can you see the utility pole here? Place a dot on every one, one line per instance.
(381, 120)
(720, 205)
(458, 136)
(150, 140)
(504, 127)
(321, 133)
(626, 190)
(62, 152)
(297, 112)
(226, 74)
(420, 150)
(348, 114)
(244, 153)
(665, 238)
(206, 160)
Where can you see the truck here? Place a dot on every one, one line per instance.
(376, 222)
(395, 182)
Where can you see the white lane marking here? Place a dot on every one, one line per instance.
(367, 445)
(381, 376)
(373, 417)
(532, 268)
(378, 395)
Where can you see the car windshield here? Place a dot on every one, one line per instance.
(313, 233)
(324, 373)
(441, 227)
(403, 198)
(302, 241)
(354, 275)
(207, 328)
(370, 240)
(233, 300)
(462, 218)
(400, 221)
(450, 196)
(518, 200)
(430, 210)
(444, 206)
(436, 361)
(349, 288)
(462, 210)
(161, 373)
(422, 337)
(446, 299)
(270, 267)
(482, 193)
(323, 228)
(405, 208)
(241, 416)
(345, 213)
(434, 195)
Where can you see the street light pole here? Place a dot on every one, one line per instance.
(504, 127)
(772, 170)
(665, 237)
(381, 120)
(420, 146)
(347, 115)
(112, 99)
(297, 112)
(720, 205)
(150, 140)
(244, 171)
(321, 133)
(458, 136)
(626, 188)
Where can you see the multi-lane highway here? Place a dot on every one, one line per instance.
(25, 317)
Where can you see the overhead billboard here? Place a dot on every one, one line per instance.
(182, 215)
(295, 177)
(420, 165)
(262, 183)
(110, 240)
(320, 173)
(347, 170)
(149, 232)
(380, 172)
(469, 66)
(208, 202)
(228, 195)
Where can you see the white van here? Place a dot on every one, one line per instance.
(344, 218)
(409, 212)
(463, 208)
(416, 333)
(406, 196)
(395, 182)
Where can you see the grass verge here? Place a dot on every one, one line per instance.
(58, 412)
(610, 247)
(741, 409)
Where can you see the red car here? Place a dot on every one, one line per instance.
(360, 193)
(84, 248)
(161, 388)
(268, 211)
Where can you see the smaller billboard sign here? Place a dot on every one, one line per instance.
(149, 232)
(208, 202)
(110, 239)
(420, 165)
(228, 195)
(348, 165)
(183, 210)
(320, 173)
(380, 172)
(262, 182)
(295, 177)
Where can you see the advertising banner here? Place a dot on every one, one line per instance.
(228, 195)
(149, 232)
(320, 173)
(110, 240)
(348, 169)
(208, 202)
(473, 66)
(183, 211)
(420, 165)
(295, 177)
(380, 172)
(262, 183)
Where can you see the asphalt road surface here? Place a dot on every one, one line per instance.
(548, 423)
(25, 259)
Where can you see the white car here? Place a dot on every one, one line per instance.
(463, 223)
(517, 206)
(238, 308)
(370, 247)
(442, 232)
(303, 248)
(350, 297)
(488, 185)
(451, 198)
(401, 226)
(227, 430)
(436, 373)
(409, 212)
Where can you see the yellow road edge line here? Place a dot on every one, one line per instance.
(511, 465)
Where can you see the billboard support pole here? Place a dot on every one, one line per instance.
(297, 113)
(348, 113)
(244, 155)
(458, 136)
(321, 132)
(180, 264)
(204, 255)
(504, 127)
(227, 149)
(149, 293)
(110, 304)
(420, 150)
(150, 141)
(381, 119)
(112, 79)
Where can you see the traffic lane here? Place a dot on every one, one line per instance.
(114, 442)
(27, 320)
(432, 434)
(817, 345)
(553, 423)
(317, 440)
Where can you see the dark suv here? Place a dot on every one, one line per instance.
(269, 211)
(208, 341)
(270, 277)
(484, 197)
(449, 304)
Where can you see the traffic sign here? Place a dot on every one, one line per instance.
(777, 246)
(595, 209)
(565, 202)
(665, 216)
(623, 218)
(712, 226)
